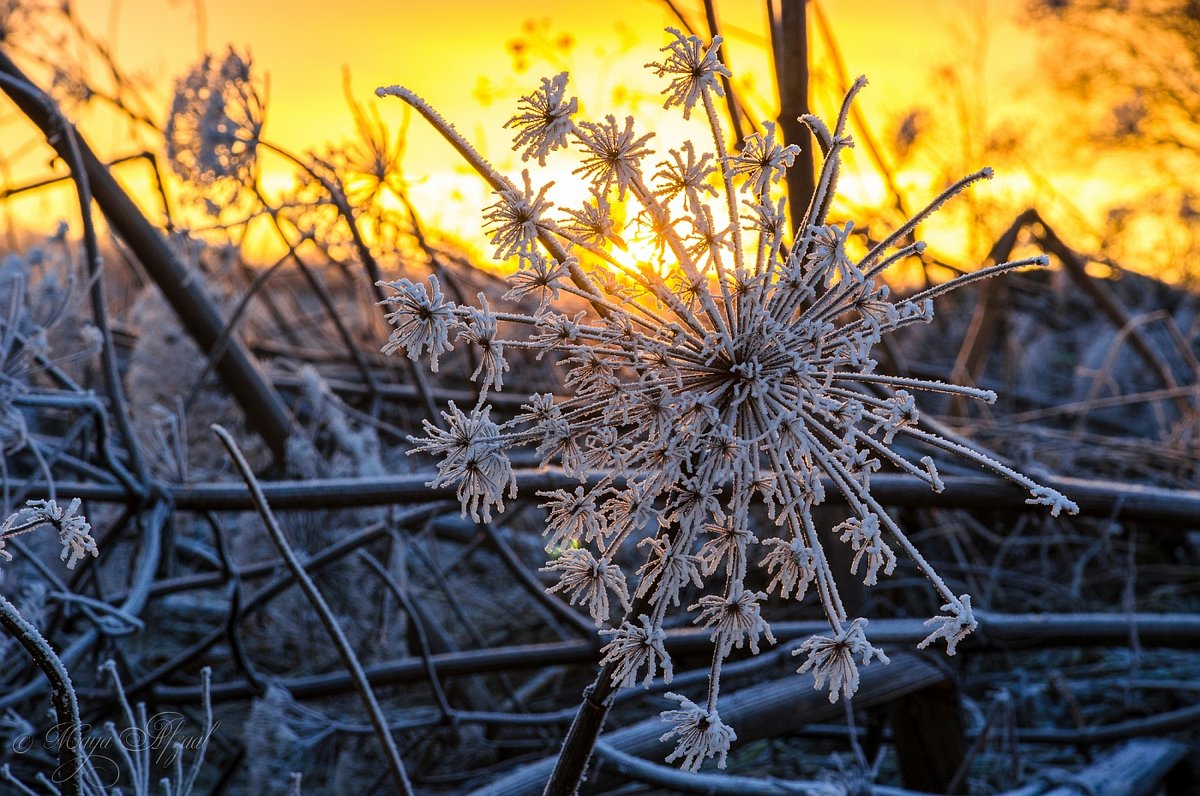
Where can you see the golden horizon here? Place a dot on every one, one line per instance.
(455, 54)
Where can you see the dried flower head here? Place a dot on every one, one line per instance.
(735, 618)
(423, 320)
(545, 119)
(701, 734)
(763, 161)
(472, 459)
(737, 379)
(537, 275)
(953, 628)
(514, 219)
(693, 68)
(832, 658)
(634, 648)
(612, 155)
(585, 580)
(796, 564)
(74, 531)
(216, 121)
(866, 538)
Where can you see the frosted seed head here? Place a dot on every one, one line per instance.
(544, 119)
(700, 732)
(693, 69)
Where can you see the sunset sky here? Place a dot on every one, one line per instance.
(456, 55)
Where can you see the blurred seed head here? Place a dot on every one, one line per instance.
(215, 123)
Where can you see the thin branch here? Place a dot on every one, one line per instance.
(395, 764)
(435, 682)
(62, 694)
(997, 632)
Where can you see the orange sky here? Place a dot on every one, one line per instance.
(444, 50)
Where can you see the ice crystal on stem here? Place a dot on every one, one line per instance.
(74, 531)
(731, 379)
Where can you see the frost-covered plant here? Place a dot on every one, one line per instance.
(75, 534)
(36, 295)
(734, 372)
(74, 531)
(119, 758)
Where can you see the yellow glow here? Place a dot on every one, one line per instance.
(640, 253)
(452, 53)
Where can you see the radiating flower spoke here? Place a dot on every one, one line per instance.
(728, 378)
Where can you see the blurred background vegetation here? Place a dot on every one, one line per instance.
(1087, 110)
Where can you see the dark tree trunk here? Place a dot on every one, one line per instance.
(790, 42)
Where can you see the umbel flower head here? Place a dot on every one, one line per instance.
(737, 378)
(216, 119)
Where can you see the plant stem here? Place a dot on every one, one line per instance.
(589, 722)
(378, 721)
(582, 736)
(62, 694)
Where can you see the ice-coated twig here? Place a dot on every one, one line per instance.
(62, 696)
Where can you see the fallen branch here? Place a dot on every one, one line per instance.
(353, 667)
(763, 711)
(995, 632)
(1135, 769)
(1096, 498)
(678, 781)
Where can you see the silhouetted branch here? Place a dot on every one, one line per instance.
(790, 42)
